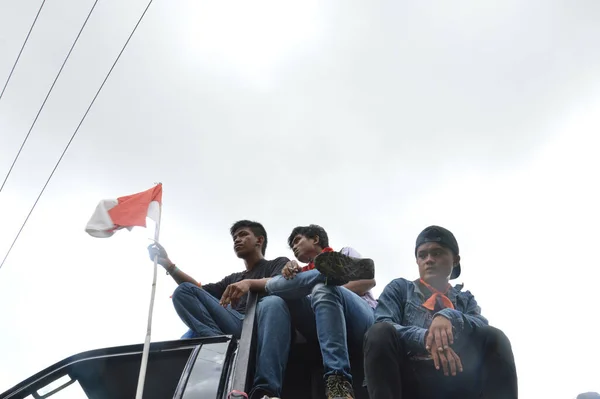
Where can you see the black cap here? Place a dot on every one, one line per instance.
(443, 237)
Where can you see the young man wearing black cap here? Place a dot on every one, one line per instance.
(430, 339)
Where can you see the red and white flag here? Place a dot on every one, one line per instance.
(125, 212)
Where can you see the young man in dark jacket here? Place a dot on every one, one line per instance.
(430, 339)
(198, 304)
(207, 309)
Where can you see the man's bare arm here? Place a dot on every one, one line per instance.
(180, 276)
(258, 285)
(360, 287)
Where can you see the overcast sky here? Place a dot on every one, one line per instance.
(371, 119)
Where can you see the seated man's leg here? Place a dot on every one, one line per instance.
(273, 336)
(488, 361)
(342, 317)
(190, 334)
(384, 355)
(390, 373)
(275, 320)
(203, 314)
(296, 288)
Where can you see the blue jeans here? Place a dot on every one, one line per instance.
(296, 293)
(296, 288)
(203, 314)
(274, 318)
(341, 318)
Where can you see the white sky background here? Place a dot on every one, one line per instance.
(371, 119)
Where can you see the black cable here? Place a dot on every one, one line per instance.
(47, 95)
(75, 133)
(22, 47)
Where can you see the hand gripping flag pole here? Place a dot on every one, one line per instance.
(146, 351)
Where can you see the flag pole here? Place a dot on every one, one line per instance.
(146, 350)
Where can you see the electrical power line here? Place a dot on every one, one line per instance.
(75, 132)
(22, 47)
(47, 95)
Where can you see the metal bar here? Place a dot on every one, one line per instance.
(240, 373)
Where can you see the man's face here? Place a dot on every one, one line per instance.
(435, 262)
(245, 242)
(305, 248)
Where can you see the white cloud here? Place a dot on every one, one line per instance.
(247, 40)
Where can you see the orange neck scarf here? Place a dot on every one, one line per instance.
(311, 265)
(435, 294)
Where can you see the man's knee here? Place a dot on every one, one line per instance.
(494, 334)
(380, 335)
(184, 288)
(186, 291)
(322, 292)
(270, 304)
(273, 284)
(494, 337)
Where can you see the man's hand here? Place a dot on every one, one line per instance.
(234, 292)
(440, 333)
(448, 359)
(290, 270)
(157, 249)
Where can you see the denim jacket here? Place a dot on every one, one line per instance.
(400, 304)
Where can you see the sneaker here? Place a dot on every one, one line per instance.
(337, 387)
(341, 269)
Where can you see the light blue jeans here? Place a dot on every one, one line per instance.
(205, 317)
(274, 319)
(203, 314)
(339, 317)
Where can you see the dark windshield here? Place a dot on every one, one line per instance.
(113, 373)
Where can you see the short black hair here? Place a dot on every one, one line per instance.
(311, 231)
(256, 228)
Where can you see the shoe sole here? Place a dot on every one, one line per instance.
(342, 269)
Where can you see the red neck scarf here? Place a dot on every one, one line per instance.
(311, 265)
(435, 294)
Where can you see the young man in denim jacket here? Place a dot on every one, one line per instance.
(430, 339)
